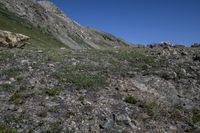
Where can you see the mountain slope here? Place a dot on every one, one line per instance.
(39, 39)
(47, 16)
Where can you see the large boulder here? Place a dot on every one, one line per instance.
(11, 39)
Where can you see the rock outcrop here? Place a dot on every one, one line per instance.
(10, 39)
(195, 45)
(46, 15)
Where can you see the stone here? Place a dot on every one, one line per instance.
(23, 62)
(51, 65)
(109, 124)
(40, 51)
(12, 80)
(11, 39)
(20, 110)
(62, 48)
(11, 107)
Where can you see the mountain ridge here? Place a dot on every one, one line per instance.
(46, 15)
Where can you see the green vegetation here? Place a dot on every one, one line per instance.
(53, 91)
(43, 113)
(55, 127)
(177, 111)
(39, 39)
(18, 97)
(196, 115)
(150, 107)
(81, 76)
(10, 72)
(3, 129)
(81, 98)
(130, 99)
(7, 87)
(180, 73)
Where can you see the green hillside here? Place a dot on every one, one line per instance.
(39, 38)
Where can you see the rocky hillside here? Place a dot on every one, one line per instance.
(49, 87)
(152, 89)
(47, 16)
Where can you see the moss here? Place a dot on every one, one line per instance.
(130, 99)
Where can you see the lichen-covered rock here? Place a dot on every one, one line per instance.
(11, 39)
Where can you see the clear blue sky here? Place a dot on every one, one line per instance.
(139, 21)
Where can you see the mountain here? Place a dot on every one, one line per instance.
(90, 85)
(45, 15)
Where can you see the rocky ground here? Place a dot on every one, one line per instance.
(123, 90)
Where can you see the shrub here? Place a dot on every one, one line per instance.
(130, 99)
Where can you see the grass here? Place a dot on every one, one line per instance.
(39, 38)
(10, 72)
(196, 116)
(53, 91)
(130, 99)
(150, 107)
(3, 129)
(81, 99)
(7, 87)
(43, 113)
(81, 76)
(4, 55)
(18, 97)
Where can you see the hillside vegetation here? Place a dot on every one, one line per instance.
(39, 38)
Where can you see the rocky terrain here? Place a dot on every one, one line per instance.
(49, 87)
(132, 89)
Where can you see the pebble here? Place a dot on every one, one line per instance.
(11, 107)
(20, 110)
(51, 65)
(23, 62)
(12, 80)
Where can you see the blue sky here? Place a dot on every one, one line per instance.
(139, 21)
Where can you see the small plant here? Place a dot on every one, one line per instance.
(53, 91)
(16, 97)
(196, 115)
(3, 129)
(130, 99)
(81, 98)
(43, 114)
(150, 107)
(180, 73)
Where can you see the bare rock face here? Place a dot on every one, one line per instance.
(10, 39)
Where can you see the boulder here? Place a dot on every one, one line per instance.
(11, 39)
